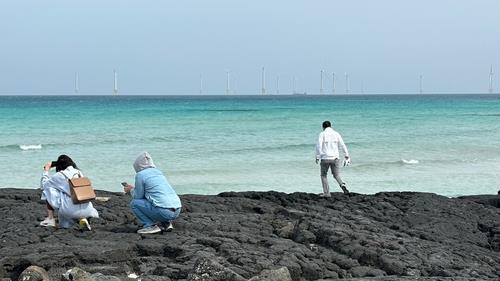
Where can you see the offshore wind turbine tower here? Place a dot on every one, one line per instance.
(347, 86)
(294, 85)
(115, 84)
(77, 87)
(333, 83)
(228, 89)
(420, 84)
(277, 84)
(263, 81)
(201, 84)
(490, 90)
(321, 90)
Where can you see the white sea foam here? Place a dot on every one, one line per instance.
(410, 162)
(30, 146)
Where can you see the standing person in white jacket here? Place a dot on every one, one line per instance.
(57, 193)
(327, 151)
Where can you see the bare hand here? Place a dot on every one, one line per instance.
(47, 166)
(127, 188)
(346, 162)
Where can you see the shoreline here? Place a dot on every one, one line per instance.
(457, 196)
(421, 236)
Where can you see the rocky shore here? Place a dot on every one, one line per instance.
(261, 236)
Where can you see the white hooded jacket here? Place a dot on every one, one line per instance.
(328, 144)
(56, 190)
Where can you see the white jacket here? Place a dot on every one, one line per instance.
(55, 189)
(328, 145)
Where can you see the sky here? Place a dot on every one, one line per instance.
(164, 47)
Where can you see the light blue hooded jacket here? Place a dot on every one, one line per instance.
(152, 185)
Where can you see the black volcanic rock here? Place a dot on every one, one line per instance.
(386, 236)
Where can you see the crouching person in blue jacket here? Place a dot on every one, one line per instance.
(154, 201)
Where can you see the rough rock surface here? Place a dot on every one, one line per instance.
(34, 273)
(280, 274)
(415, 236)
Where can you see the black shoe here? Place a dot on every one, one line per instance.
(344, 189)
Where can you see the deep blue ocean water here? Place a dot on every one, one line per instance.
(447, 144)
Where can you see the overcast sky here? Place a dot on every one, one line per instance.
(162, 47)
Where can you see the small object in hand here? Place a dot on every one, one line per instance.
(126, 187)
(346, 162)
(49, 165)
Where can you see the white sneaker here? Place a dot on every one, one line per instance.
(325, 195)
(149, 230)
(48, 222)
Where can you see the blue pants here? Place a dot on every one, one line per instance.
(149, 215)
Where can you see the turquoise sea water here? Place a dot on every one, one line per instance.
(447, 144)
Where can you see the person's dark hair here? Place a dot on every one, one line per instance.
(326, 124)
(63, 162)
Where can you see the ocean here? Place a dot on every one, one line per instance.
(446, 144)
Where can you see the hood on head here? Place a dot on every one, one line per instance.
(143, 161)
(70, 172)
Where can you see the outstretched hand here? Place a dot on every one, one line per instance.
(47, 166)
(347, 161)
(127, 188)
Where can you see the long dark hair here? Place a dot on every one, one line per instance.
(63, 162)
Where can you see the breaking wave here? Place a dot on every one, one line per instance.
(30, 146)
(410, 162)
(22, 147)
(385, 164)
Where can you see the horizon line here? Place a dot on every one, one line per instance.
(251, 95)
